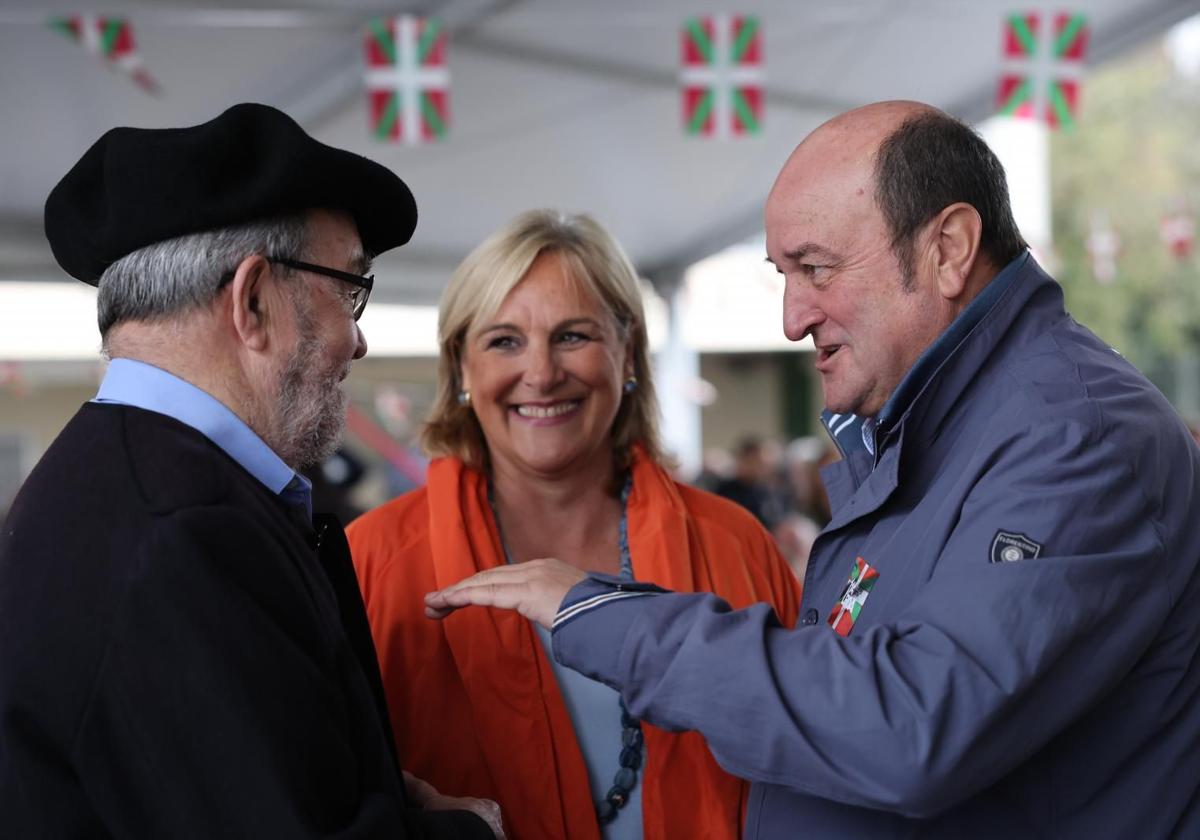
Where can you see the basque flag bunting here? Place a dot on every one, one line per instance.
(408, 81)
(722, 76)
(110, 38)
(1042, 73)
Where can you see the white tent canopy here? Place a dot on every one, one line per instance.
(564, 104)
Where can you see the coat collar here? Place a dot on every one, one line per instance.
(931, 403)
(852, 433)
(910, 421)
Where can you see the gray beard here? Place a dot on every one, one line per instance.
(310, 408)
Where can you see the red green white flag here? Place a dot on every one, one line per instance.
(1178, 230)
(408, 80)
(110, 38)
(722, 76)
(854, 595)
(1043, 67)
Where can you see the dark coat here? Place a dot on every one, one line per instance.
(174, 660)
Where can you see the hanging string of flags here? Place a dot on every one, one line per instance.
(1104, 245)
(721, 71)
(407, 79)
(110, 39)
(1178, 229)
(1043, 67)
(722, 76)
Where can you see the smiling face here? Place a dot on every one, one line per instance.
(844, 285)
(545, 374)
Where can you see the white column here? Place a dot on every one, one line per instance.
(676, 372)
(1023, 147)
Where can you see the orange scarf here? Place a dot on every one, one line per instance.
(681, 538)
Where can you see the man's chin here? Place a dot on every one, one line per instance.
(840, 406)
(326, 441)
(322, 439)
(863, 405)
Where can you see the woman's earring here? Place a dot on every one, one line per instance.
(630, 385)
(464, 397)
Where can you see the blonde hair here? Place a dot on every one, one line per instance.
(478, 288)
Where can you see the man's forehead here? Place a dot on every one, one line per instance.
(825, 192)
(817, 199)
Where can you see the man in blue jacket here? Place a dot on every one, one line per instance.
(998, 634)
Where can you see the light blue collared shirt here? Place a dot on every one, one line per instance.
(134, 383)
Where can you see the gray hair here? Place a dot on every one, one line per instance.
(172, 276)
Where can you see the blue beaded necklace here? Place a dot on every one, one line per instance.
(630, 759)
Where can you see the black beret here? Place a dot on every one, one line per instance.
(138, 186)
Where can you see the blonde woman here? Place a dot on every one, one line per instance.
(546, 425)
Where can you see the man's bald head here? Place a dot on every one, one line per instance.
(912, 160)
(866, 127)
(849, 142)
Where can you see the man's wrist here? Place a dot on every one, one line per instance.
(592, 621)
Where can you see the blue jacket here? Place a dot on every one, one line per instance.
(1013, 581)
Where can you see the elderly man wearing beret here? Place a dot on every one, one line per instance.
(183, 650)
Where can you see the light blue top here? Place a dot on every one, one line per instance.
(134, 383)
(595, 711)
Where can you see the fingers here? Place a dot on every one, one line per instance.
(419, 791)
(477, 592)
(435, 613)
(449, 599)
(534, 589)
(489, 812)
(486, 809)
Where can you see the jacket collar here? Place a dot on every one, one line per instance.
(958, 360)
(867, 475)
(852, 433)
(944, 346)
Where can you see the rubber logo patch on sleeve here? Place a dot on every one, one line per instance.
(858, 587)
(1009, 548)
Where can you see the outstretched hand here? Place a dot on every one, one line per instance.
(534, 589)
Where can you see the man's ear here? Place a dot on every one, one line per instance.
(957, 232)
(252, 301)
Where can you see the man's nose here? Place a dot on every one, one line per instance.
(360, 346)
(800, 311)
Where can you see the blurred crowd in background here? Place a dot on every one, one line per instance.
(780, 483)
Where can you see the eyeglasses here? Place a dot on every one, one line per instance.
(358, 297)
